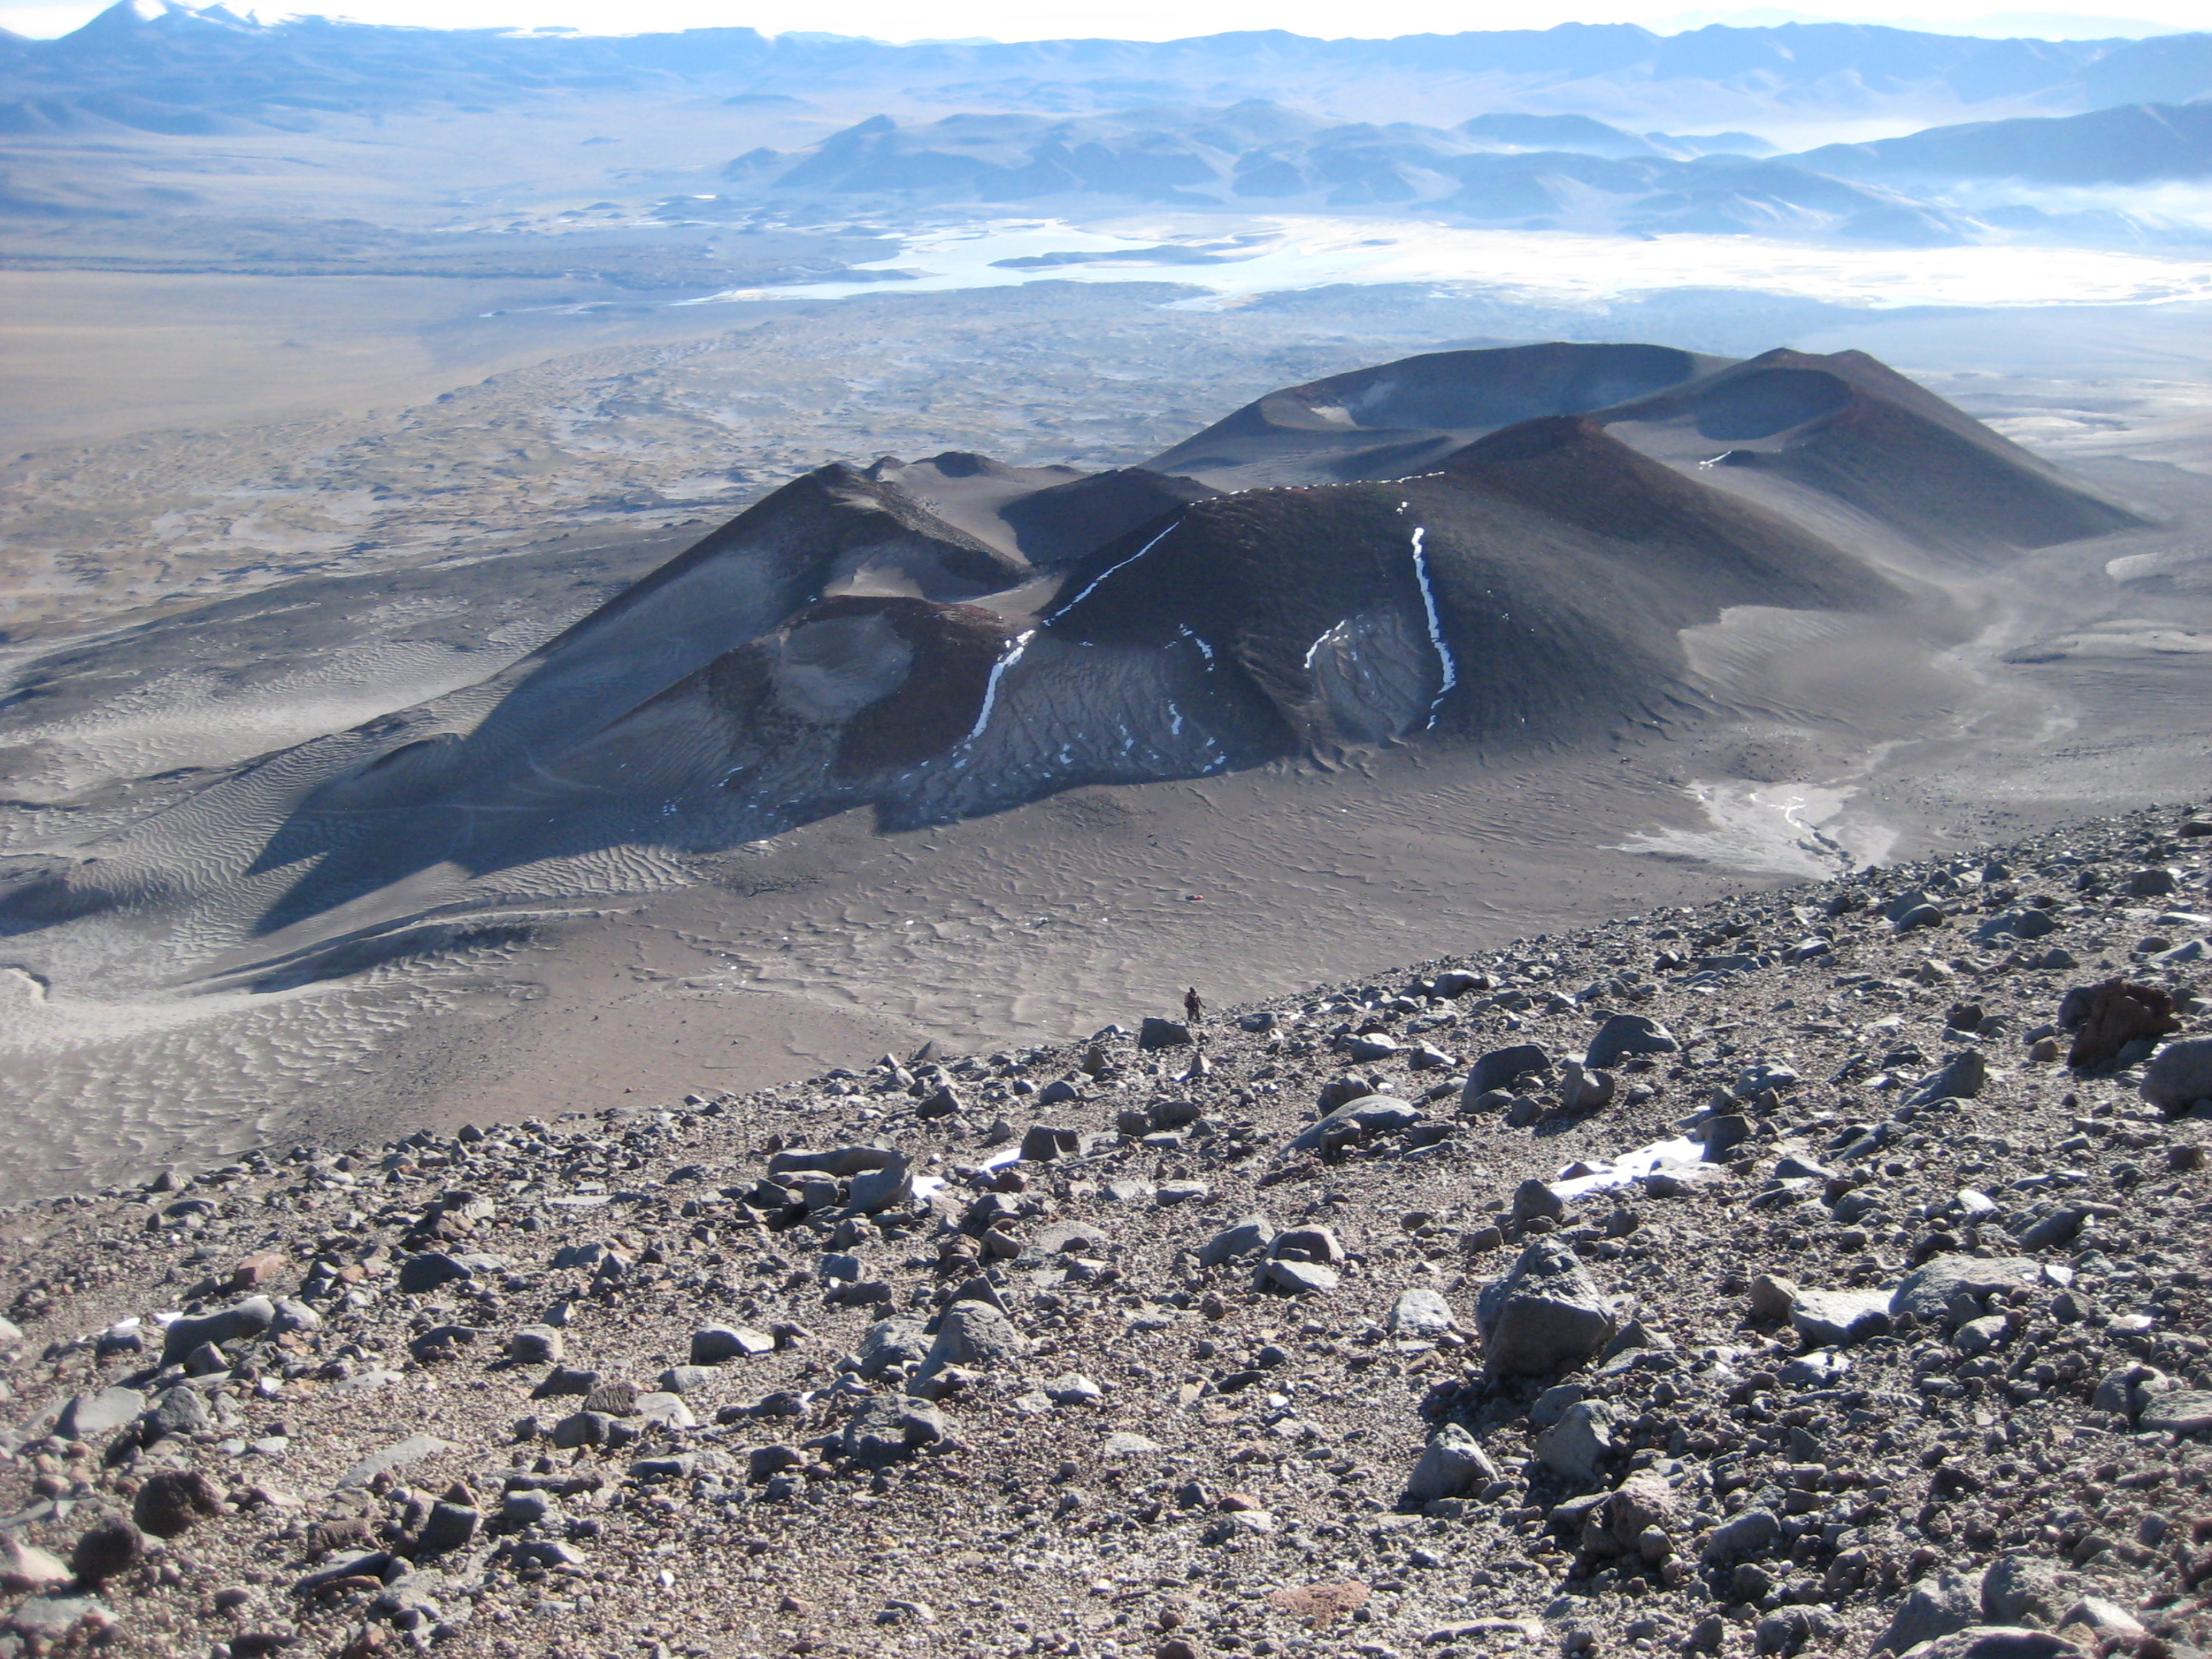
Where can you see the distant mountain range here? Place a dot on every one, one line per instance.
(157, 65)
(1538, 173)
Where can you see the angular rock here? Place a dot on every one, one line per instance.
(1421, 1313)
(1577, 1446)
(427, 1271)
(2102, 1625)
(1951, 1288)
(1624, 1037)
(535, 1345)
(1980, 1335)
(1041, 1144)
(1356, 1120)
(1306, 1244)
(1641, 1505)
(1772, 1297)
(181, 1410)
(564, 1380)
(2021, 1589)
(2107, 1017)
(1544, 1316)
(1452, 1465)
(890, 1425)
(243, 1319)
(667, 1408)
(1534, 1198)
(2179, 1076)
(88, 1414)
(1961, 1077)
(2054, 1228)
(890, 1187)
(1163, 1033)
(1298, 1278)
(1937, 1605)
(448, 1527)
(1247, 1237)
(582, 1428)
(25, 1566)
(1502, 1065)
(615, 1397)
(1584, 1089)
(1721, 1135)
(2183, 1410)
(1747, 1533)
(1552, 1405)
(712, 1345)
(1837, 1319)
(974, 1335)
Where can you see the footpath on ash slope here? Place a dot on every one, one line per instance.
(1344, 1325)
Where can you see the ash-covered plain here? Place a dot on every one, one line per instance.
(959, 748)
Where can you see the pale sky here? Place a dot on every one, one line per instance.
(1152, 20)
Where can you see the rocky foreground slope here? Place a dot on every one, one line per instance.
(1327, 1327)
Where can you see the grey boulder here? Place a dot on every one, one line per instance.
(1502, 1065)
(1961, 1077)
(2020, 1588)
(248, 1318)
(98, 1414)
(712, 1343)
(1297, 1278)
(1452, 1465)
(1544, 1316)
(1937, 1605)
(890, 1425)
(1626, 1035)
(2179, 1075)
(1836, 1319)
(1995, 1642)
(974, 1335)
(1951, 1288)
(2184, 1411)
(1163, 1033)
(900, 1340)
(1247, 1237)
(890, 1187)
(1421, 1313)
(1576, 1447)
(1357, 1119)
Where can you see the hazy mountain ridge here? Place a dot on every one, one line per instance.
(1590, 176)
(165, 57)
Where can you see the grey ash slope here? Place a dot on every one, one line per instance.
(1102, 1343)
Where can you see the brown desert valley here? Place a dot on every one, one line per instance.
(1252, 845)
